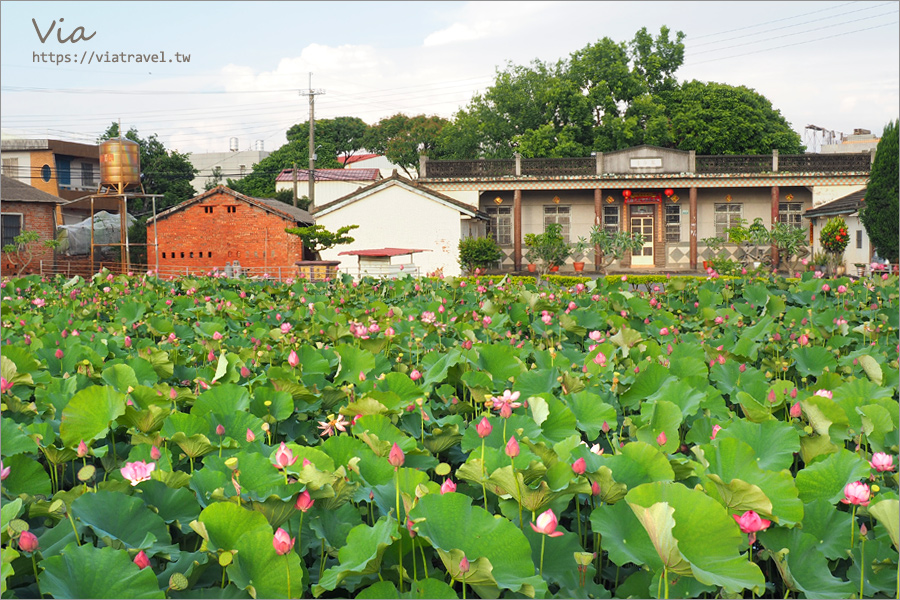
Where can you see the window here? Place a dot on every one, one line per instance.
(12, 227)
(64, 170)
(46, 173)
(727, 215)
(611, 219)
(10, 167)
(500, 227)
(208, 209)
(87, 174)
(673, 223)
(791, 213)
(859, 239)
(561, 215)
(182, 255)
(231, 209)
(192, 255)
(163, 254)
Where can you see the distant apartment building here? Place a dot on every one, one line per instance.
(69, 170)
(862, 140)
(234, 164)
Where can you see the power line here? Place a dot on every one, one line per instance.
(775, 21)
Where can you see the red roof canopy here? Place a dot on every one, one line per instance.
(381, 252)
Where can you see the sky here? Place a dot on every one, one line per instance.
(835, 65)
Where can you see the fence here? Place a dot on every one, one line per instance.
(83, 268)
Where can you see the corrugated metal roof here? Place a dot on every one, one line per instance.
(356, 158)
(382, 252)
(331, 175)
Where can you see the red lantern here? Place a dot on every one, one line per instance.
(626, 194)
(669, 192)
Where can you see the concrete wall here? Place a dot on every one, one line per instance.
(230, 162)
(250, 235)
(852, 254)
(395, 217)
(23, 171)
(36, 216)
(670, 161)
(822, 194)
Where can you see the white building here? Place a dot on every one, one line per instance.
(397, 213)
(236, 164)
(373, 161)
(859, 250)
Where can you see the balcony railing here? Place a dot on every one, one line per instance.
(706, 164)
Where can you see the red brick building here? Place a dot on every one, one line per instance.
(223, 226)
(26, 208)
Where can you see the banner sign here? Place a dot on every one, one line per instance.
(644, 198)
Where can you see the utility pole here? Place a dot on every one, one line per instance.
(312, 139)
(294, 170)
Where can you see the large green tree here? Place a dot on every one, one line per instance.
(260, 183)
(343, 134)
(880, 215)
(402, 139)
(609, 96)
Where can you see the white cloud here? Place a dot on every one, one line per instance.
(490, 20)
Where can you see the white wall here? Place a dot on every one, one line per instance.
(24, 173)
(826, 193)
(398, 218)
(852, 254)
(384, 166)
(326, 191)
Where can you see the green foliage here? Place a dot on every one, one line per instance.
(880, 215)
(614, 244)
(478, 253)
(792, 243)
(21, 251)
(344, 135)
(403, 139)
(317, 238)
(549, 247)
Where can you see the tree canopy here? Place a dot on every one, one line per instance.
(403, 139)
(609, 96)
(880, 215)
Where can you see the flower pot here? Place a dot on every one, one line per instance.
(532, 267)
(578, 266)
(554, 268)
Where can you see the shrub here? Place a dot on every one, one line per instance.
(478, 253)
(834, 237)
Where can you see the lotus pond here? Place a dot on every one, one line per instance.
(457, 438)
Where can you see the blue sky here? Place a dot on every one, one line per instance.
(832, 64)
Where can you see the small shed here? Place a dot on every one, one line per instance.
(379, 262)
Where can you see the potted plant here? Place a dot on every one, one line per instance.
(714, 245)
(791, 243)
(834, 239)
(614, 245)
(550, 248)
(579, 249)
(316, 239)
(530, 256)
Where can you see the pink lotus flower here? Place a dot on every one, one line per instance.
(217, 336)
(304, 502)
(882, 462)
(220, 429)
(826, 288)
(28, 542)
(137, 471)
(415, 375)
(484, 428)
(824, 394)
(293, 359)
(285, 327)
(284, 457)
(600, 359)
(579, 466)
(595, 335)
(512, 447)
(546, 524)
(661, 439)
(245, 372)
(141, 560)
(250, 435)
(804, 340)
(81, 451)
(856, 492)
(58, 353)
(4, 471)
(750, 523)
(448, 486)
(796, 410)
(664, 331)
(595, 488)
(396, 456)
(5, 385)
(841, 289)
(128, 341)
(464, 565)
(282, 542)
(715, 431)
(155, 453)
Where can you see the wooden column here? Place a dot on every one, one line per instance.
(598, 222)
(517, 230)
(774, 220)
(693, 227)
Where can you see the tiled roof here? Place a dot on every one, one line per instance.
(287, 211)
(331, 175)
(845, 205)
(396, 179)
(383, 252)
(13, 190)
(356, 158)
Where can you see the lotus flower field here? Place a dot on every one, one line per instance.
(450, 438)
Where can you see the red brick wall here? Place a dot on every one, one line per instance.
(223, 237)
(36, 216)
